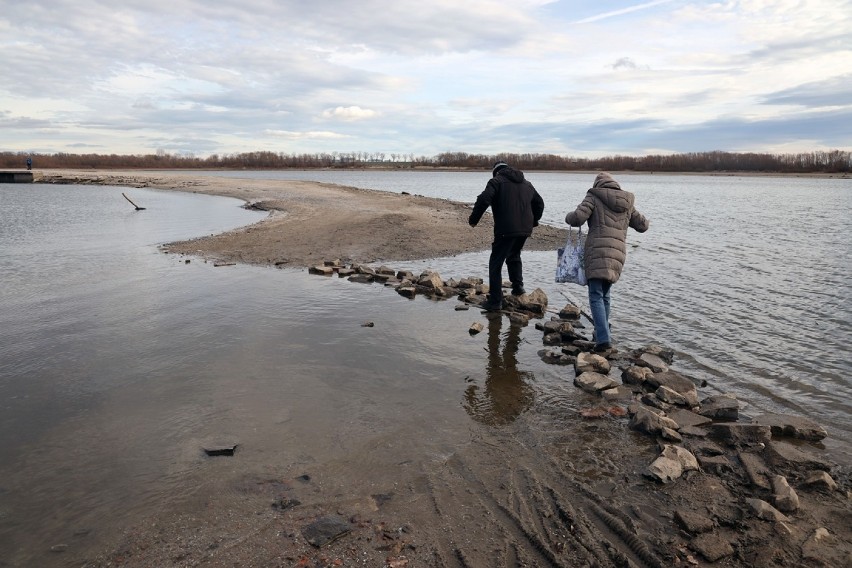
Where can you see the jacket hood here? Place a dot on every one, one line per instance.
(603, 179)
(512, 174)
(609, 191)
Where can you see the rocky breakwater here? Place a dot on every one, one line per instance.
(470, 291)
(730, 479)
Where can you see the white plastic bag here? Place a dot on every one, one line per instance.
(569, 264)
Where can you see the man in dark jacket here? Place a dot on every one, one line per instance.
(516, 207)
(609, 210)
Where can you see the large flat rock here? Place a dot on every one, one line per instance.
(792, 426)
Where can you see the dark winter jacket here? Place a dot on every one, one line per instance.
(515, 204)
(609, 211)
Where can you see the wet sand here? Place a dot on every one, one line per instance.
(545, 490)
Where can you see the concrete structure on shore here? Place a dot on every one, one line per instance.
(15, 177)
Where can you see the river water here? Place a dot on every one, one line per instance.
(749, 279)
(118, 362)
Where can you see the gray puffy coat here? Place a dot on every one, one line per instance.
(609, 211)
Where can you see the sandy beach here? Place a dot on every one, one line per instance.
(521, 494)
(312, 222)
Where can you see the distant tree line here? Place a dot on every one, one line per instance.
(832, 161)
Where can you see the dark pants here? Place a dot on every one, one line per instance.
(505, 250)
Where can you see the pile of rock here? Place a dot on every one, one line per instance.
(764, 459)
(470, 290)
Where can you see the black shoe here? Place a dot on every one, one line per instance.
(604, 348)
(518, 291)
(490, 306)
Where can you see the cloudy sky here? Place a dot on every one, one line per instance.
(421, 77)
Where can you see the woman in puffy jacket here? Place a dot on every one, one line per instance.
(609, 211)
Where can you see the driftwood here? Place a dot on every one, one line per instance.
(133, 204)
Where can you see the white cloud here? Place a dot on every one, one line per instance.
(484, 75)
(349, 113)
(315, 135)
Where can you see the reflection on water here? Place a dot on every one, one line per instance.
(507, 391)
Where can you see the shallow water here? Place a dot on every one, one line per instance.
(118, 363)
(749, 279)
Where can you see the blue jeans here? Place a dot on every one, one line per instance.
(599, 304)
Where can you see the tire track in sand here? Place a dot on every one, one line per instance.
(526, 515)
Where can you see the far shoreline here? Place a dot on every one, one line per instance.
(201, 171)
